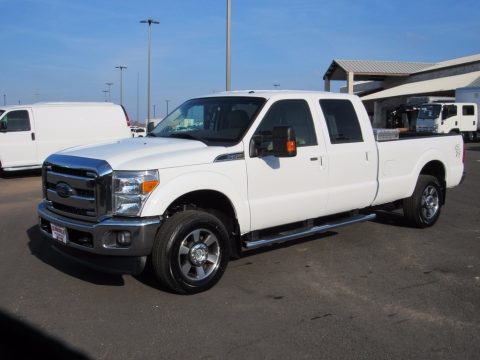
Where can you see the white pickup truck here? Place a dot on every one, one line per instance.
(235, 171)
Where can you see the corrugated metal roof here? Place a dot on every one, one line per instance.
(382, 67)
(452, 62)
(428, 86)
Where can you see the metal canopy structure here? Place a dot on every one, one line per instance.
(372, 70)
(426, 87)
(368, 70)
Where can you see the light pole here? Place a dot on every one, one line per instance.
(4, 99)
(154, 106)
(138, 97)
(229, 34)
(109, 84)
(121, 82)
(167, 101)
(105, 92)
(149, 22)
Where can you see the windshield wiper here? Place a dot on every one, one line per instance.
(181, 135)
(151, 134)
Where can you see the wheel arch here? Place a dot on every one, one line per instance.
(437, 169)
(216, 203)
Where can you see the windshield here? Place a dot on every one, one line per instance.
(219, 120)
(431, 111)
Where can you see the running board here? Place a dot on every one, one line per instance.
(296, 234)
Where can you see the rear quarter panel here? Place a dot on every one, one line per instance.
(401, 162)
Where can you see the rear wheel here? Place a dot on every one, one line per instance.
(422, 209)
(471, 136)
(191, 251)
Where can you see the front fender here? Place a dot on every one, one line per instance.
(227, 179)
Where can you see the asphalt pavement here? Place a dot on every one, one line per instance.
(376, 290)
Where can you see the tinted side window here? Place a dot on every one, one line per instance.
(449, 111)
(17, 121)
(468, 110)
(342, 121)
(294, 113)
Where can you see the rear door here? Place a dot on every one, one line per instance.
(352, 155)
(17, 139)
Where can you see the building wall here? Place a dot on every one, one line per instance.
(378, 109)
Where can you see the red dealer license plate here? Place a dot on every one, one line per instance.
(59, 233)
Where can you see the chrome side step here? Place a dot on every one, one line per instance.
(296, 234)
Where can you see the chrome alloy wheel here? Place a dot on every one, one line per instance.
(430, 202)
(199, 254)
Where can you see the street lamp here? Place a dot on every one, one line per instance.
(109, 84)
(149, 22)
(105, 92)
(4, 99)
(229, 34)
(121, 82)
(167, 101)
(154, 106)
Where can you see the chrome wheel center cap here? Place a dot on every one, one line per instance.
(198, 254)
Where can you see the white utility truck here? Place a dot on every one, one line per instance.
(236, 171)
(470, 94)
(449, 117)
(29, 133)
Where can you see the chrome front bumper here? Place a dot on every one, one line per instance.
(100, 239)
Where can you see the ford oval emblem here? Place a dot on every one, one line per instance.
(64, 190)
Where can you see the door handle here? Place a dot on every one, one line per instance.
(33, 136)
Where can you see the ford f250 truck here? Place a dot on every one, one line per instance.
(236, 171)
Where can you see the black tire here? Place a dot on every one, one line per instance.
(471, 136)
(422, 209)
(191, 252)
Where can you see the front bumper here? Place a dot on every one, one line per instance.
(97, 242)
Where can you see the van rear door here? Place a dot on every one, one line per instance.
(17, 139)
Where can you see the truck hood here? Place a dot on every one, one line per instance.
(149, 153)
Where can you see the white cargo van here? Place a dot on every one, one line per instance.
(29, 133)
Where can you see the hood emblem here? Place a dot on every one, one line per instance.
(64, 190)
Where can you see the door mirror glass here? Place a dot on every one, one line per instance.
(3, 126)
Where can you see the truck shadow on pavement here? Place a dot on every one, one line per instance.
(42, 248)
(391, 218)
(473, 148)
(20, 174)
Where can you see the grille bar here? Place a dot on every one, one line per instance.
(78, 188)
(76, 182)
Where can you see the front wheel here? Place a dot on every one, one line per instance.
(191, 251)
(422, 209)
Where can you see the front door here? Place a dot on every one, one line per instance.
(17, 141)
(286, 190)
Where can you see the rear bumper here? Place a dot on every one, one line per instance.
(96, 245)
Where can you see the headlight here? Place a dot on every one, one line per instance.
(131, 189)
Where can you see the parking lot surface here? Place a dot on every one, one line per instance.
(376, 290)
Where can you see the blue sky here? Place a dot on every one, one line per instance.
(66, 50)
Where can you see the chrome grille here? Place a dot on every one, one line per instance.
(78, 188)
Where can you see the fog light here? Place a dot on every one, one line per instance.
(123, 238)
(83, 239)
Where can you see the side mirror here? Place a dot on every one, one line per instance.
(284, 141)
(3, 126)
